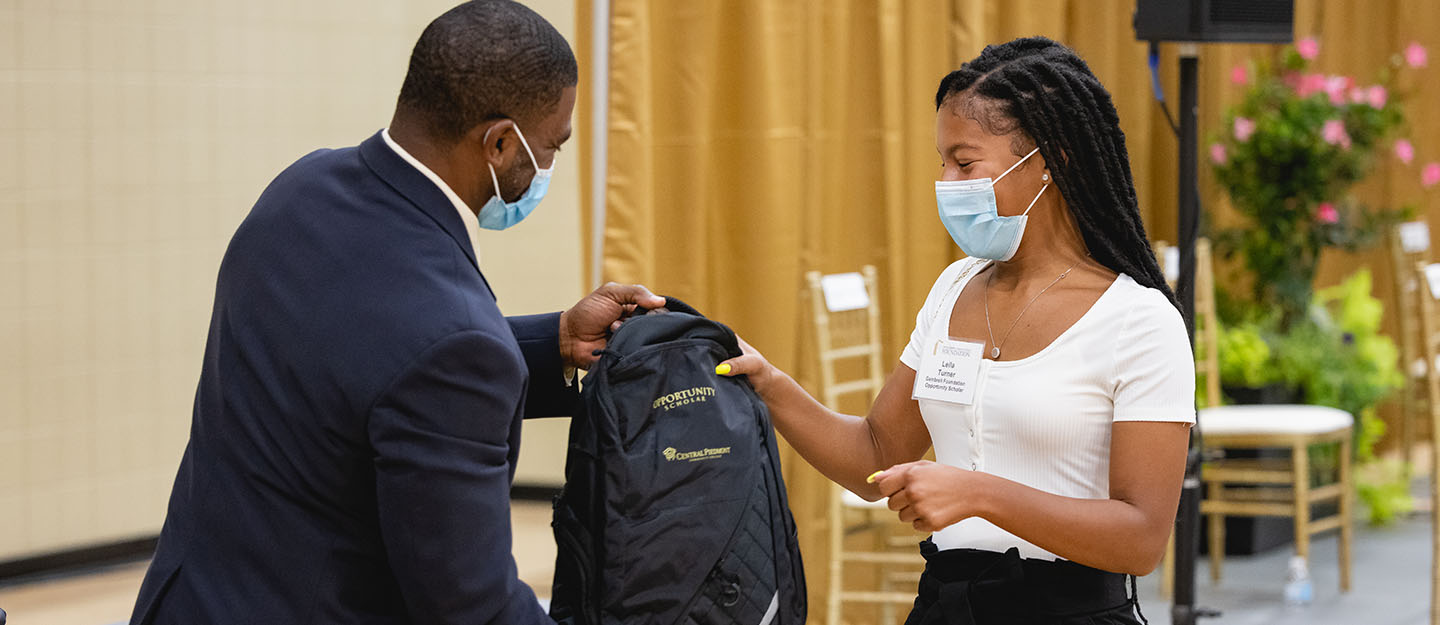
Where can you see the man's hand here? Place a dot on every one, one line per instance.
(583, 328)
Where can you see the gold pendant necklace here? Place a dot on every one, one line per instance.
(995, 345)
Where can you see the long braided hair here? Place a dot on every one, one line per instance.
(1043, 89)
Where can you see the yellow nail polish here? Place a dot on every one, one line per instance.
(871, 479)
(722, 369)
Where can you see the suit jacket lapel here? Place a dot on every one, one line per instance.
(420, 191)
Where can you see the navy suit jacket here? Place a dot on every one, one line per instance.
(357, 420)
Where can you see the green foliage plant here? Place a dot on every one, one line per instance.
(1289, 153)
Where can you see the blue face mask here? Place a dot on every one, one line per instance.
(497, 214)
(967, 208)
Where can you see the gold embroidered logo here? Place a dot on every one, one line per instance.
(682, 398)
(708, 453)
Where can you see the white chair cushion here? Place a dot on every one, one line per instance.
(851, 500)
(1273, 419)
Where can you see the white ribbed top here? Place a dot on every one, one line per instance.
(1045, 420)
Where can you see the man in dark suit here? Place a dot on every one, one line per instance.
(356, 424)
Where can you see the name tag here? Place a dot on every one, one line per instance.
(948, 371)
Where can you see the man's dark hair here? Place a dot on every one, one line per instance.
(1044, 90)
(483, 60)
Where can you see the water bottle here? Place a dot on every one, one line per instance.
(1299, 591)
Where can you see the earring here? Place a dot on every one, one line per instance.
(1045, 177)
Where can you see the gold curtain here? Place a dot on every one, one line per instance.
(753, 140)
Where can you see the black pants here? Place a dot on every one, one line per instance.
(973, 587)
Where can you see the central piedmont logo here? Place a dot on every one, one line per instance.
(682, 398)
(707, 453)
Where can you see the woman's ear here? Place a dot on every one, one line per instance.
(1064, 161)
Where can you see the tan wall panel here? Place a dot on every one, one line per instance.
(137, 136)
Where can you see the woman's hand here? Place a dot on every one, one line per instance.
(931, 496)
(750, 363)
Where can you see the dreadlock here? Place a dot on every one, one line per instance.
(1046, 92)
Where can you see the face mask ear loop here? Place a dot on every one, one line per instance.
(1017, 164)
(1037, 199)
(496, 181)
(528, 151)
(527, 147)
(486, 139)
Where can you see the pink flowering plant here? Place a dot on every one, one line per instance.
(1288, 154)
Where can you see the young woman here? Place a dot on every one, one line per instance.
(1050, 370)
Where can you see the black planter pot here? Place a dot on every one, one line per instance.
(1251, 535)
(1268, 394)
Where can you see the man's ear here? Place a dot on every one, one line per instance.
(498, 141)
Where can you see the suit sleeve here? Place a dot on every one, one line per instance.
(441, 437)
(539, 338)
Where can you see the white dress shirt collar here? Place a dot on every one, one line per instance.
(472, 223)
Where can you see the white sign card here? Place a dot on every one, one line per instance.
(844, 291)
(1172, 264)
(1432, 276)
(1414, 237)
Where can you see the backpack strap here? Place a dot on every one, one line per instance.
(672, 304)
(675, 305)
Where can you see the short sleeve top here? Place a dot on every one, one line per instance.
(1045, 420)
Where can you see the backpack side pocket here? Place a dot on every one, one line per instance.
(573, 599)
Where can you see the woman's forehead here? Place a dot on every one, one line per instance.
(966, 118)
(955, 129)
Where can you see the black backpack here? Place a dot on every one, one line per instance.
(674, 510)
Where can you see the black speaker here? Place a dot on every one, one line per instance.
(1233, 21)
